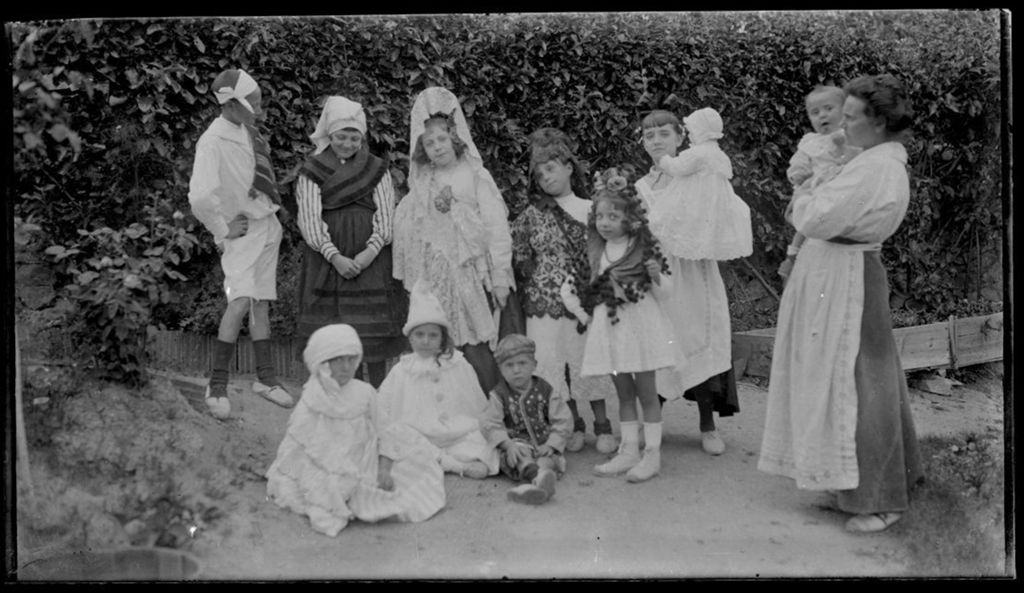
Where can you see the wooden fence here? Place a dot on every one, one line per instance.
(951, 344)
(189, 352)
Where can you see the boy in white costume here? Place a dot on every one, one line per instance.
(234, 194)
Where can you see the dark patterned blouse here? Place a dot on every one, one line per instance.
(543, 255)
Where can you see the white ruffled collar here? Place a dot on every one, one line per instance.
(430, 368)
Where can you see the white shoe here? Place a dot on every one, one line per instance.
(648, 467)
(576, 442)
(546, 482)
(712, 443)
(220, 407)
(274, 394)
(622, 462)
(872, 522)
(607, 443)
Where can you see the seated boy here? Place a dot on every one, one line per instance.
(528, 423)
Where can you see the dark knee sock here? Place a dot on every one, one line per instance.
(706, 408)
(223, 352)
(264, 362)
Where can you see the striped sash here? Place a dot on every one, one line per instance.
(264, 180)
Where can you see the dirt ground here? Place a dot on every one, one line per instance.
(703, 516)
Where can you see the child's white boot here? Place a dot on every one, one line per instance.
(629, 451)
(650, 465)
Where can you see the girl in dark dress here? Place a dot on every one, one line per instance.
(346, 202)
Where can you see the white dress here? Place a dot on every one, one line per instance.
(444, 403)
(641, 340)
(326, 464)
(811, 418)
(702, 218)
(452, 229)
(699, 309)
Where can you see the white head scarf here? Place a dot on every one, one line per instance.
(338, 113)
(243, 87)
(440, 100)
(703, 125)
(321, 392)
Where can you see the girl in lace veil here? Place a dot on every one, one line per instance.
(452, 228)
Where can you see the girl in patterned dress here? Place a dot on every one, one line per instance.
(549, 239)
(335, 462)
(629, 334)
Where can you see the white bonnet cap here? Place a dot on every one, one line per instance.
(703, 125)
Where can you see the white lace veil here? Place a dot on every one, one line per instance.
(429, 102)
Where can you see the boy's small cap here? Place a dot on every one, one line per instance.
(514, 345)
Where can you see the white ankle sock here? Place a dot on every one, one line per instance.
(630, 436)
(652, 435)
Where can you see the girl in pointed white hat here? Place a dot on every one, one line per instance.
(452, 229)
(346, 201)
(435, 390)
(336, 462)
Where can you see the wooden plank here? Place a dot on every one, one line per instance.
(923, 346)
(979, 339)
(756, 347)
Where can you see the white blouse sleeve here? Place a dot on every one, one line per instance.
(572, 301)
(865, 202)
(495, 217)
(383, 217)
(202, 187)
(310, 220)
(685, 163)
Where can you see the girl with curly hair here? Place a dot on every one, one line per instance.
(452, 229)
(629, 334)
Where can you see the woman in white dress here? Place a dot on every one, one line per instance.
(838, 416)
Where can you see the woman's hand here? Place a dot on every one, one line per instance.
(501, 295)
(348, 268)
(364, 258)
(545, 451)
(654, 269)
(786, 269)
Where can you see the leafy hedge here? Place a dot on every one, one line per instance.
(106, 113)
